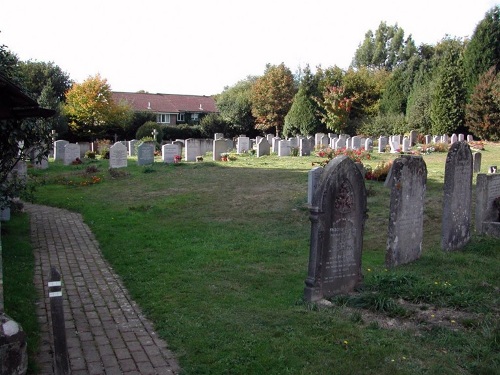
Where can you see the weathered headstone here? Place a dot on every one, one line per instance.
(356, 143)
(59, 149)
(145, 153)
(71, 153)
(487, 218)
(337, 214)
(476, 162)
(263, 148)
(118, 156)
(413, 137)
(169, 152)
(407, 182)
(313, 177)
(305, 146)
(406, 145)
(457, 197)
(453, 138)
(283, 148)
(382, 143)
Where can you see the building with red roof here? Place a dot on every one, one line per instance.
(170, 109)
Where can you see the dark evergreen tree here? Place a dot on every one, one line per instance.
(301, 118)
(483, 50)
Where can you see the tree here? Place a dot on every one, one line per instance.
(235, 107)
(483, 49)
(483, 111)
(91, 109)
(272, 97)
(36, 75)
(448, 95)
(301, 118)
(384, 49)
(418, 112)
(336, 106)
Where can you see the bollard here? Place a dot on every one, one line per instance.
(61, 362)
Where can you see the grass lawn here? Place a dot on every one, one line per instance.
(216, 254)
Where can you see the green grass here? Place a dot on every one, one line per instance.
(216, 255)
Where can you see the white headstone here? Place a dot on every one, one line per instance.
(118, 156)
(59, 149)
(71, 153)
(169, 152)
(242, 145)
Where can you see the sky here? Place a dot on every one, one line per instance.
(199, 47)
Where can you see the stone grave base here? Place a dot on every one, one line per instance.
(491, 228)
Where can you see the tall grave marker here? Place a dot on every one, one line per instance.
(337, 215)
(457, 198)
(407, 181)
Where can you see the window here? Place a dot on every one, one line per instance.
(194, 116)
(163, 118)
(180, 117)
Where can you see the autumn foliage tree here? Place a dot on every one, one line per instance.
(272, 96)
(91, 109)
(335, 107)
(483, 111)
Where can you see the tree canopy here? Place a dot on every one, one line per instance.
(91, 110)
(272, 97)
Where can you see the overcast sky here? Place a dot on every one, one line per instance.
(201, 46)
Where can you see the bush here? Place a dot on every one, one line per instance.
(384, 125)
(146, 130)
(173, 132)
(90, 154)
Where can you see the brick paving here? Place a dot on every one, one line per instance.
(105, 330)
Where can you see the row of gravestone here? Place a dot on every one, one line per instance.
(338, 213)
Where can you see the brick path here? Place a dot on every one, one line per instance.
(105, 330)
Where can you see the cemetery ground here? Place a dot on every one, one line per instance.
(216, 254)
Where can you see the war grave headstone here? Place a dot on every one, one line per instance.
(453, 138)
(269, 138)
(337, 215)
(369, 144)
(461, 137)
(242, 145)
(476, 162)
(192, 149)
(428, 139)
(457, 197)
(436, 139)
(382, 143)
(487, 218)
(394, 144)
(283, 148)
(169, 152)
(407, 181)
(59, 149)
(71, 153)
(413, 138)
(218, 136)
(406, 145)
(445, 139)
(470, 138)
(356, 143)
(145, 153)
(274, 144)
(131, 147)
(341, 143)
(118, 156)
(324, 141)
(263, 148)
(317, 139)
(305, 146)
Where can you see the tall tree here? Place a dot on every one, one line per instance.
(384, 49)
(483, 50)
(449, 95)
(91, 109)
(336, 105)
(272, 97)
(301, 118)
(36, 75)
(483, 111)
(235, 106)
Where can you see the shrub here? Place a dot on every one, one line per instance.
(173, 132)
(90, 154)
(355, 155)
(146, 130)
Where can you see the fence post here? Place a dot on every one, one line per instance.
(61, 362)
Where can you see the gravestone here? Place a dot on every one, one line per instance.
(413, 137)
(218, 136)
(369, 144)
(394, 146)
(131, 147)
(492, 169)
(341, 143)
(313, 177)
(71, 153)
(192, 149)
(487, 218)
(146, 153)
(457, 197)
(382, 143)
(274, 144)
(305, 146)
(406, 145)
(337, 214)
(470, 138)
(242, 145)
(407, 182)
(269, 138)
(428, 139)
(317, 139)
(445, 139)
(356, 143)
(263, 148)
(476, 162)
(436, 139)
(169, 152)
(461, 137)
(283, 148)
(118, 156)
(453, 138)
(59, 149)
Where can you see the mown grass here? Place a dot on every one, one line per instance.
(216, 254)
